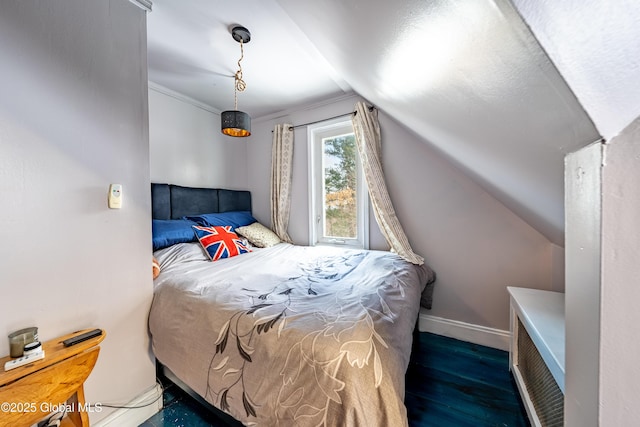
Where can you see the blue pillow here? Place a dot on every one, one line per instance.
(167, 232)
(233, 218)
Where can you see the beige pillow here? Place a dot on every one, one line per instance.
(259, 235)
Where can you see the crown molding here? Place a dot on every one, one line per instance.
(143, 4)
(307, 107)
(180, 97)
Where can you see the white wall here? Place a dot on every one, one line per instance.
(475, 244)
(619, 369)
(187, 147)
(583, 248)
(73, 118)
(594, 45)
(603, 242)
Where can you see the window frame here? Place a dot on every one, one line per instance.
(315, 135)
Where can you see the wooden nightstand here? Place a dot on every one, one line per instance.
(28, 393)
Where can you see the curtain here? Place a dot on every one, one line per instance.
(281, 165)
(367, 130)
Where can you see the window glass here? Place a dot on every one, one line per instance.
(337, 195)
(340, 184)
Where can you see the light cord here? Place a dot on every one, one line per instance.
(240, 84)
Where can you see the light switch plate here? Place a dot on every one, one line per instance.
(115, 196)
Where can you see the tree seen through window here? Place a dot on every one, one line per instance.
(340, 178)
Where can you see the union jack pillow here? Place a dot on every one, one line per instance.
(220, 242)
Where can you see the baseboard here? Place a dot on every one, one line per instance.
(134, 416)
(482, 335)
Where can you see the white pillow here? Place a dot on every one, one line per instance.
(259, 235)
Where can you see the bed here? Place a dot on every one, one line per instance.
(284, 335)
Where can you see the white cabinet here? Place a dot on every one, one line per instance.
(536, 356)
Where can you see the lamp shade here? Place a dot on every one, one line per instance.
(235, 123)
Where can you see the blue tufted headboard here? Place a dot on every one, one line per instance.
(170, 201)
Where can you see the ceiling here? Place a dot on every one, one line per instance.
(468, 77)
(191, 51)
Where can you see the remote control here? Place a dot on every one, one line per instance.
(82, 337)
(24, 360)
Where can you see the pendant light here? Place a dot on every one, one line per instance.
(235, 122)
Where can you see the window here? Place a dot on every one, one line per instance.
(338, 198)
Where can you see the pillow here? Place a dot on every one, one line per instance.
(233, 218)
(155, 267)
(167, 232)
(259, 235)
(220, 242)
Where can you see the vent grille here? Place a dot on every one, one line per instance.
(543, 390)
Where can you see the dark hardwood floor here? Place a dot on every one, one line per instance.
(455, 383)
(449, 383)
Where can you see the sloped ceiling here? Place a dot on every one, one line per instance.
(468, 77)
(595, 46)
